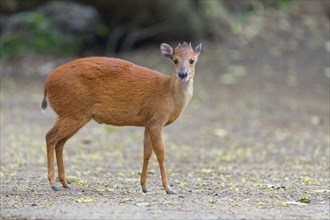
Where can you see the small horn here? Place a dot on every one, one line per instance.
(179, 45)
(189, 43)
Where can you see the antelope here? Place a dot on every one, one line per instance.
(117, 92)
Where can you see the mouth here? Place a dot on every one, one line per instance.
(183, 79)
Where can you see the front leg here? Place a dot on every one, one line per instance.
(156, 138)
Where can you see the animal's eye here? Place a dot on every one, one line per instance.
(191, 61)
(175, 61)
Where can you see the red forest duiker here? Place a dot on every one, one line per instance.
(117, 92)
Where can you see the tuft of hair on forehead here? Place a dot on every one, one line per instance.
(184, 45)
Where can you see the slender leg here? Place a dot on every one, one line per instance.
(156, 138)
(147, 152)
(60, 165)
(50, 159)
(63, 129)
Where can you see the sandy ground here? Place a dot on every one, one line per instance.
(252, 144)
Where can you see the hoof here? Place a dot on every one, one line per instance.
(145, 190)
(65, 183)
(66, 186)
(55, 188)
(170, 192)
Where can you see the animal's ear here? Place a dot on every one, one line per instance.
(166, 50)
(198, 49)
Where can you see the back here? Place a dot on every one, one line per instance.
(109, 90)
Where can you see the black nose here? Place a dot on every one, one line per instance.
(183, 75)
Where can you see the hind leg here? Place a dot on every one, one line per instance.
(50, 160)
(63, 129)
(60, 165)
(147, 152)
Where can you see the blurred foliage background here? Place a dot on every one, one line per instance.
(89, 27)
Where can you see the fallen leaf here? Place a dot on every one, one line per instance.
(292, 203)
(304, 200)
(321, 190)
(143, 204)
(182, 184)
(219, 132)
(309, 181)
(84, 200)
(206, 170)
(73, 179)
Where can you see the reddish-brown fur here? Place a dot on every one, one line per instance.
(117, 92)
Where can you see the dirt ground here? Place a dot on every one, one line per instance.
(252, 144)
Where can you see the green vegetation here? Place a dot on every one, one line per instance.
(36, 33)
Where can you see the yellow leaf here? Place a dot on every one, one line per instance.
(98, 169)
(292, 203)
(106, 189)
(321, 190)
(85, 200)
(183, 184)
(309, 181)
(121, 174)
(205, 170)
(73, 179)
(219, 132)
(143, 204)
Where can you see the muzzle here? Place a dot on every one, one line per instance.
(183, 75)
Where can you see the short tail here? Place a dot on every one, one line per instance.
(44, 104)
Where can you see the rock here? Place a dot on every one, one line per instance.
(71, 16)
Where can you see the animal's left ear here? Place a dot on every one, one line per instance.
(198, 49)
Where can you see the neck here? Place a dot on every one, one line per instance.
(181, 91)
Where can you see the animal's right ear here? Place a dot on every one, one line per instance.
(167, 51)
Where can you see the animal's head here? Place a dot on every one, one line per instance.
(184, 58)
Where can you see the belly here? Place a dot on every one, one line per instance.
(118, 116)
